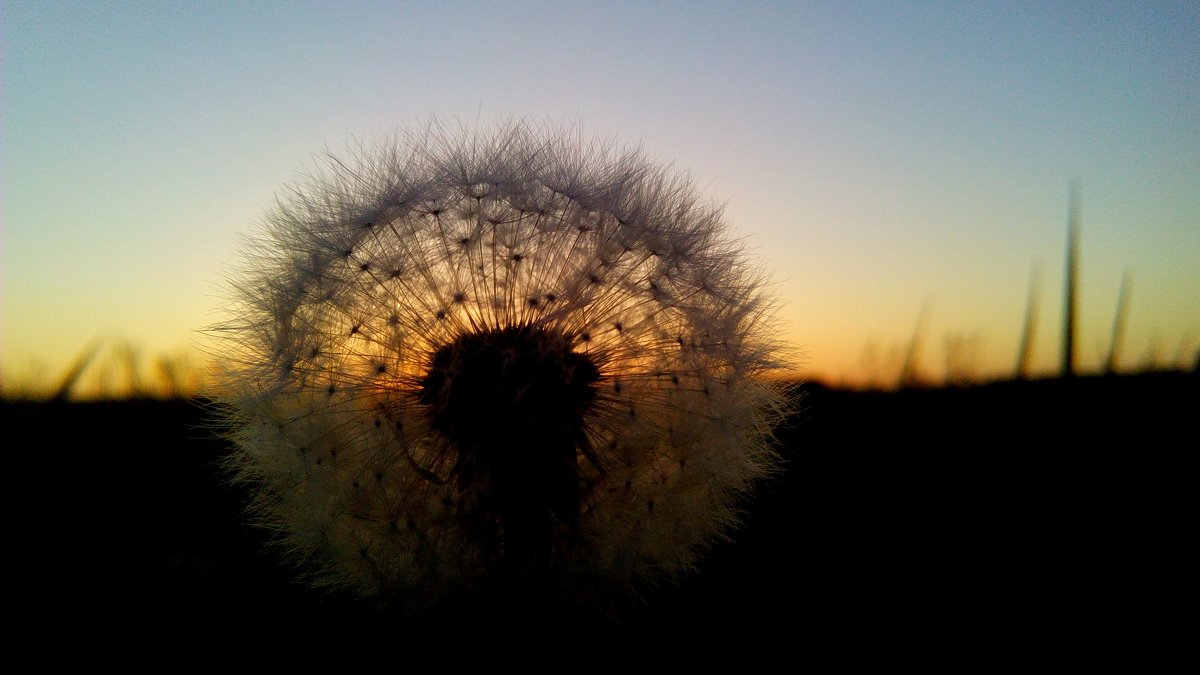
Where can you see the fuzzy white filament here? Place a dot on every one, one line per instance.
(352, 320)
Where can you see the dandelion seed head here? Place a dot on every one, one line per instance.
(490, 355)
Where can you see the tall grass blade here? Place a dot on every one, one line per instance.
(1122, 317)
(71, 377)
(909, 372)
(1072, 289)
(1029, 332)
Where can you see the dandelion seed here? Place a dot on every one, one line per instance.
(496, 329)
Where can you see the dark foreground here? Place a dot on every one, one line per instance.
(993, 520)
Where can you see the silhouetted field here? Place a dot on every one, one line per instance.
(995, 517)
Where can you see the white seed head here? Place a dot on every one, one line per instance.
(412, 317)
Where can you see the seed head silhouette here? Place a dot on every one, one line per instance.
(485, 361)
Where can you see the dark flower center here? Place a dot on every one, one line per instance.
(513, 404)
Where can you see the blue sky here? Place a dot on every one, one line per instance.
(885, 160)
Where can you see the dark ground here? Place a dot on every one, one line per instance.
(995, 519)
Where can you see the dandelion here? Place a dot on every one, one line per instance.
(498, 362)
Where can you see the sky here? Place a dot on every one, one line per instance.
(901, 168)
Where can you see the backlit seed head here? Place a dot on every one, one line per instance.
(498, 360)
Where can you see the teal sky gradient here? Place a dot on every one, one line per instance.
(882, 158)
